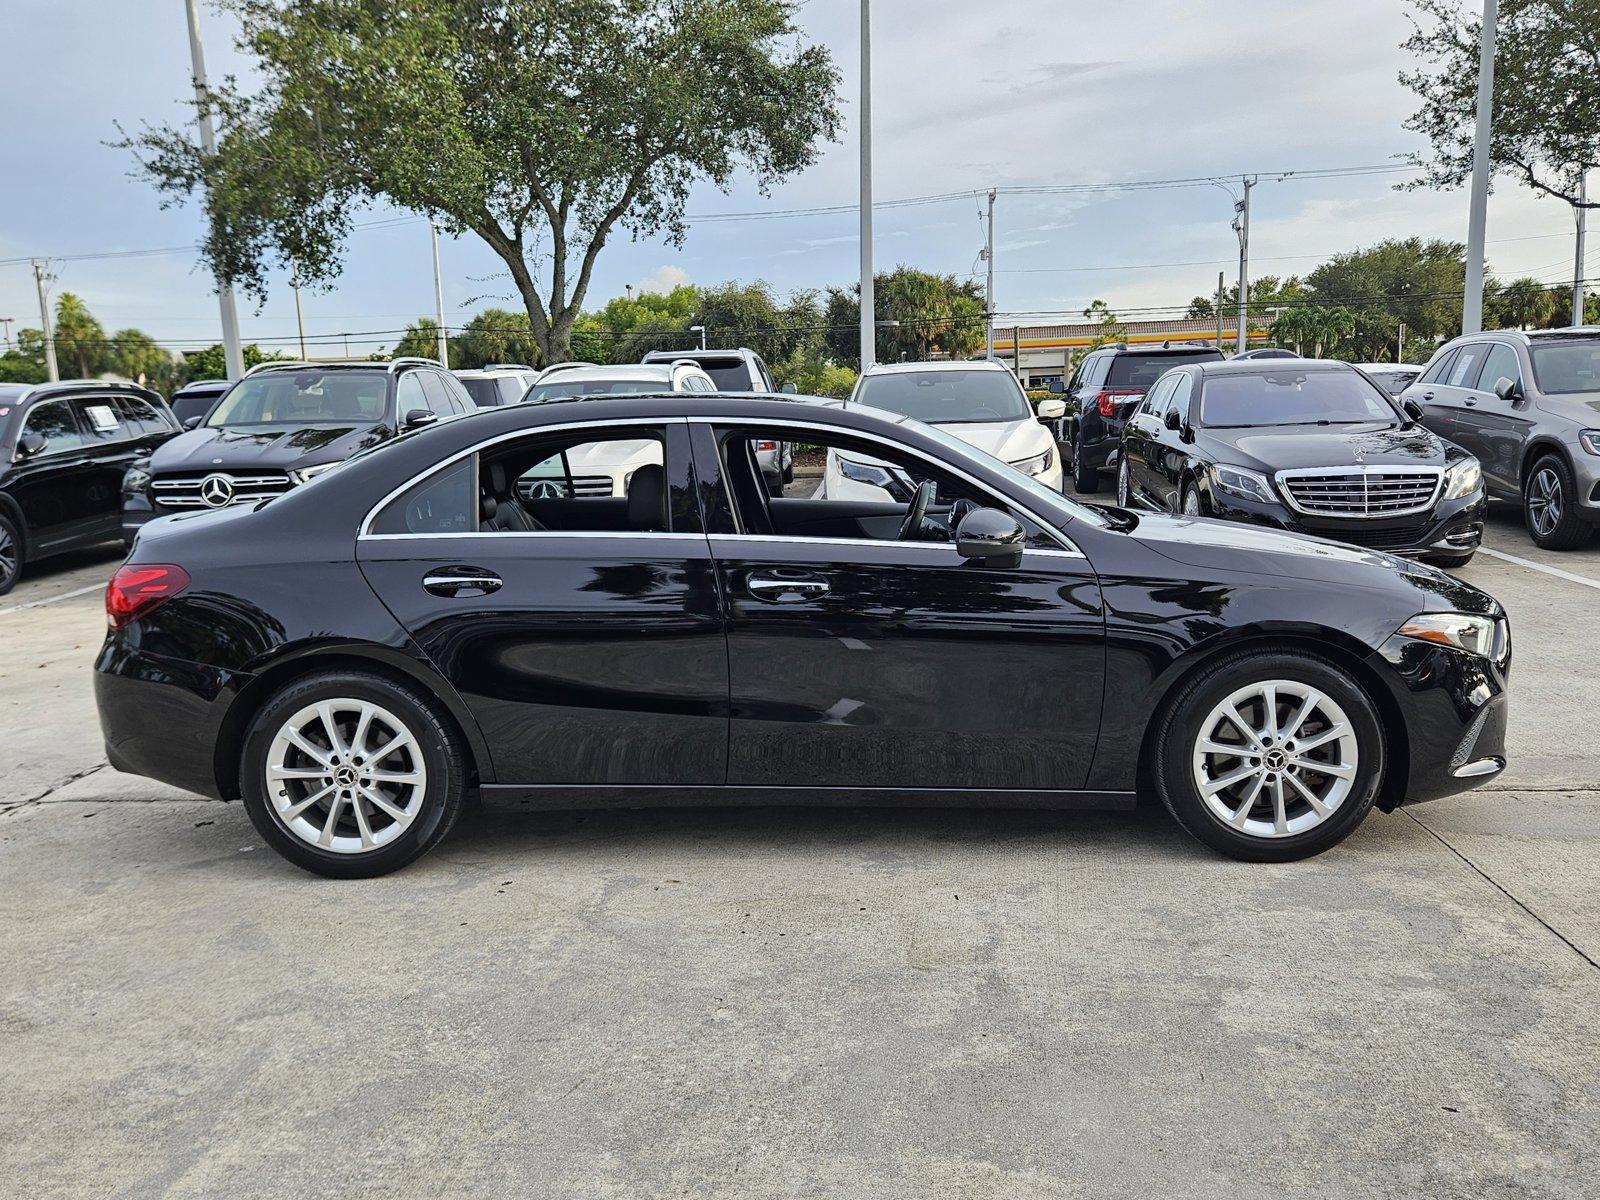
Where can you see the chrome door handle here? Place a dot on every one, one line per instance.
(461, 581)
(781, 590)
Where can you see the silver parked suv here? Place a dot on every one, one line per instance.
(1527, 404)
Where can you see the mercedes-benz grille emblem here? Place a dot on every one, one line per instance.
(216, 491)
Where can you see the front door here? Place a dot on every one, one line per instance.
(1493, 429)
(861, 658)
(581, 629)
(49, 485)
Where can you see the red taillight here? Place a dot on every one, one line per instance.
(1106, 399)
(766, 445)
(135, 589)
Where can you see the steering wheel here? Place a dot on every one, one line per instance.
(926, 490)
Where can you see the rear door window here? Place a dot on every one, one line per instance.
(438, 396)
(1438, 368)
(102, 420)
(1464, 371)
(144, 417)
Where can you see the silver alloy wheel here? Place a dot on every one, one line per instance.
(345, 775)
(1191, 503)
(1544, 501)
(8, 556)
(1275, 758)
(1124, 490)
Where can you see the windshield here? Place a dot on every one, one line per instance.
(1393, 382)
(1142, 370)
(556, 389)
(1567, 367)
(1292, 398)
(947, 397)
(304, 398)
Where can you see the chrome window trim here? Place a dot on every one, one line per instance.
(22, 431)
(784, 540)
(364, 530)
(1067, 545)
(1295, 472)
(546, 534)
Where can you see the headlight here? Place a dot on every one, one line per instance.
(1037, 465)
(307, 474)
(136, 478)
(1589, 439)
(1462, 479)
(876, 475)
(1237, 481)
(1483, 636)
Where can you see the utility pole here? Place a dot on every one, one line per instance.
(1400, 344)
(869, 305)
(1241, 226)
(299, 317)
(1478, 215)
(7, 321)
(44, 322)
(231, 352)
(1219, 312)
(988, 290)
(1580, 214)
(438, 299)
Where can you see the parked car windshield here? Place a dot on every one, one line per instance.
(1567, 367)
(947, 397)
(558, 389)
(1292, 398)
(1393, 382)
(1142, 370)
(304, 398)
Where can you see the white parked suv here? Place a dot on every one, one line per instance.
(979, 402)
(604, 468)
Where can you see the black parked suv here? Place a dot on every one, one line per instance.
(63, 450)
(282, 424)
(193, 401)
(1104, 390)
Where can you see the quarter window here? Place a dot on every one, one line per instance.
(438, 396)
(1437, 369)
(142, 415)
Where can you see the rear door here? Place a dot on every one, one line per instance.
(1428, 390)
(592, 654)
(1139, 440)
(1169, 452)
(114, 441)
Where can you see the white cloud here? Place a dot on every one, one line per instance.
(663, 279)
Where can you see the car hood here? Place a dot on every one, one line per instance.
(1231, 547)
(1009, 441)
(283, 446)
(1286, 447)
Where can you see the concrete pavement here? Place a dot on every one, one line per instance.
(783, 1003)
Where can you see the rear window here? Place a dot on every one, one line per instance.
(729, 374)
(947, 397)
(1141, 370)
(489, 393)
(1290, 397)
(557, 390)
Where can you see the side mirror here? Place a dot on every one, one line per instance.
(1507, 389)
(1057, 387)
(194, 422)
(418, 417)
(1051, 410)
(1413, 409)
(990, 537)
(1171, 420)
(30, 444)
(790, 389)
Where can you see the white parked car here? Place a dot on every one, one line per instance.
(603, 468)
(979, 402)
(497, 384)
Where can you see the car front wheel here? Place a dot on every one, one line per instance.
(1124, 487)
(1190, 504)
(351, 775)
(10, 554)
(1269, 756)
(1549, 502)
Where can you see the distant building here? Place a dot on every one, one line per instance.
(1049, 351)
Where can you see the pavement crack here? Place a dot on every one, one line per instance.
(1504, 891)
(52, 789)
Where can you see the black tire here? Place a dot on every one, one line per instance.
(1191, 497)
(1550, 481)
(441, 751)
(1124, 485)
(1085, 478)
(788, 472)
(12, 554)
(1180, 727)
(1448, 561)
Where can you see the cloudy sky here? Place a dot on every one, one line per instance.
(1012, 93)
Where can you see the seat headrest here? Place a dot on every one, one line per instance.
(497, 478)
(647, 498)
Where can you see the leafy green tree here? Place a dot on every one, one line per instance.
(630, 326)
(135, 355)
(1522, 303)
(1546, 92)
(82, 349)
(749, 315)
(1110, 329)
(1266, 293)
(542, 128)
(421, 340)
(25, 364)
(211, 364)
(920, 315)
(494, 335)
(1401, 281)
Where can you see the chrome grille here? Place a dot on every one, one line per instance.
(190, 490)
(529, 486)
(1361, 491)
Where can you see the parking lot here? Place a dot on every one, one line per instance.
(785, 1002)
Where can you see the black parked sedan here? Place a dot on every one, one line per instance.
(63, 450)
(1315, 447)
(452, 612)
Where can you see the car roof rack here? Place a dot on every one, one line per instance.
(504, 367)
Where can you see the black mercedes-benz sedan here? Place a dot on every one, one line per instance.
(1311, 446)
(453, 613)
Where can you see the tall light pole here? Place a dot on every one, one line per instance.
(1478, 214)
(232, 355)
(39, 273)
(438, 299)
(701, 330)
(869, 305)
(1241, 226)
(988, 289)
(299, 317)
(1580, 214)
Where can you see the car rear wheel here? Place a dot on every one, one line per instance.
(351, 775)
(1085, 476)
(1124, 489)
(1549, 502)
(1269, 756)
(10, 554)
